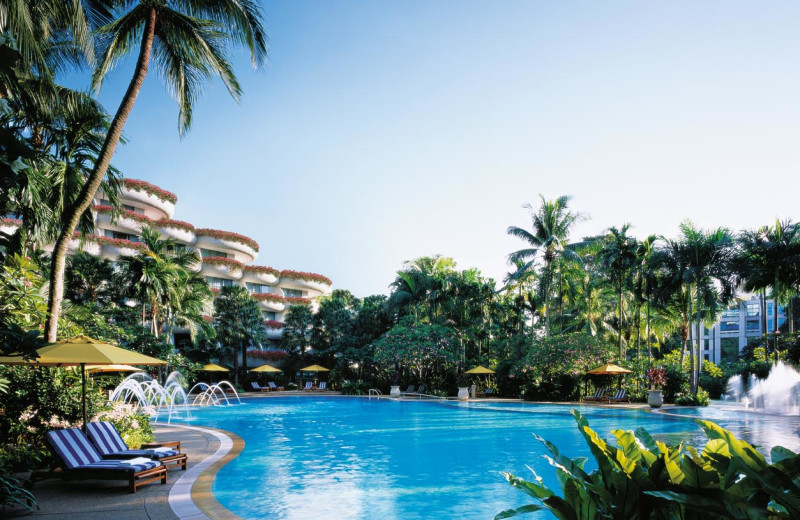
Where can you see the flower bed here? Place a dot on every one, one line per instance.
(273, 324)
(138, 217)
(260, 269)
(269, 355)
(221, 260)
(309, 277)
(175, 224)
(229, 236)
(268, 297)
(121, 243)
(298, 301)
(11, 222)
(164, 195)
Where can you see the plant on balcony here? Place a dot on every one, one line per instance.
(268, 297)
(269, 355)
(174, 224)
(222, 261)
(297, 301)
(260, 269)
(215, 291)
(229, 236)
(155, 191)
(85, 237)
(273, 324)
(309, 277)
(121, 243)
(138, 217)
(11, 222)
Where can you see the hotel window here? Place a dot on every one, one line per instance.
(218, 283)
(270, 316)
(730, 314)
(753, 326)
(729, 326)
(205, 253)
(110, 233)
(257, 288)
(292, 293)
(753, 309)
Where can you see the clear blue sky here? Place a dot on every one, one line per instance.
(384, 131)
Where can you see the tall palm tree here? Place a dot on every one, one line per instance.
(618, 257)
(190, 40)
(643, 287)
(548, 240)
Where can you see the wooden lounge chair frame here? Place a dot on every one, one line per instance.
(100, 468)
(274, 388)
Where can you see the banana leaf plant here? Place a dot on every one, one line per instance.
(641, 478)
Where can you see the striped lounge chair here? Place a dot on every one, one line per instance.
(82, 461)
(309, 386)
(323, 386)
(599, 395)
(273, 387)
(110, 444)
(620, 397)
(259, 388)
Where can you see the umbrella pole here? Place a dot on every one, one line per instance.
(83, 393)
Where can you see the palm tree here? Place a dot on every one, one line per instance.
(769, 257)
(643, 287)
(618, 257)
(551, 223)
(190, 41)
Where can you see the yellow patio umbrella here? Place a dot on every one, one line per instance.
(480, 370)
(82, 351)
(266, 368)
(315, 368)
(608, 369)
(213, 367)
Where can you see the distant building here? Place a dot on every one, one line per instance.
(737, 325)
(227, 256)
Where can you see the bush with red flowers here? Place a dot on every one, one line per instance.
(138, 217)
(11, 222)
(121, 243)
(155, 191)
(297, 301)
(272, 324)
(268, 297)
(309, 277)
(222, 261)
(174, 224)
(260, 269)
(229, 236)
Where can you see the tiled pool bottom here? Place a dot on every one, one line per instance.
(354, 458)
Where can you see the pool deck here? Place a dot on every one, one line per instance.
(187, 496)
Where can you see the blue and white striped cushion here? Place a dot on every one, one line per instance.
(73, 447)
(120, 465)
(272, 385)
(106, 438)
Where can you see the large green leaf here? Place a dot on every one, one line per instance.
(509, 513)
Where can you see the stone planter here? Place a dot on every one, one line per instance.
(655, 399)
(394, 391)
(463, 393)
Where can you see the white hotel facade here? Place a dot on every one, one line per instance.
(227, 257)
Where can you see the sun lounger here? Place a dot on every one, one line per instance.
(421, 389)
(409, 390)
(258, 388)
(309, 387)
(323, 386)
(599, 395)
(82, 461)
(489, 392)
(110, 444)
(273, 387)
(620, 397)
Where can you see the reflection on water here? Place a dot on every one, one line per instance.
(352, 458)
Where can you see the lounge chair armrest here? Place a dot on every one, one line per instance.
(167, 444)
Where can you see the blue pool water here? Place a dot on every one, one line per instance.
(353, 458)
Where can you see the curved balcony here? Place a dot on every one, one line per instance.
(177, 230)
(270, 302)
(127, 221)
(260, 274)
(317, 283)
(218, 266)
(113, 248)
(150, 195)
(246, 249)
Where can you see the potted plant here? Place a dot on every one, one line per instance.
(658, 377)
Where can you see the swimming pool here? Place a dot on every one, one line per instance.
(354, 458)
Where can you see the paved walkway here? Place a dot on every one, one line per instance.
(102, 500)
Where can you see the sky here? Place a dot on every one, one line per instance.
(382, 131)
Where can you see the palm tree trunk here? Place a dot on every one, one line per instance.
(84, 200)
(699, 354)
(621, 353)
(691, 347)
(647, 336)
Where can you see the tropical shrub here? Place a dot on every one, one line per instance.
(359, 387)
(642, 478)
(132, 423)
(701, 398)
(713, 379)
(269, 355)
(676, 382)
(13, 493)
